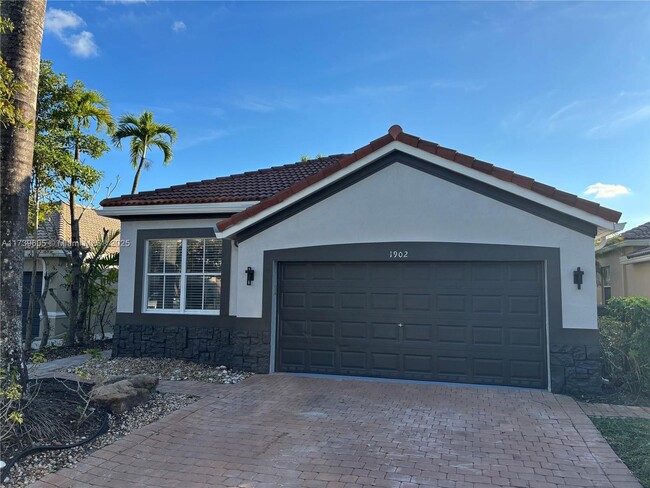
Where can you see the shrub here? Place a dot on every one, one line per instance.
(625, 338)
(11, 414)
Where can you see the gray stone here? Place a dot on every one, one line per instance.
(116, 397)
(146, 381)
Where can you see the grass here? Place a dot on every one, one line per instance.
(630, 439)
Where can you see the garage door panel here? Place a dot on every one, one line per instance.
(385, 361)
(530, 304)
(416, 302)
(450, 303)
(452, 334)
(385, 331)
(356, 361)
(293, 328)
(384, 301)
(488, 336)
(464, 322)
(525, 337)
(323, 329)
(321, 358)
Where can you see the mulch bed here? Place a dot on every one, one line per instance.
(59, 352)
(53, 416)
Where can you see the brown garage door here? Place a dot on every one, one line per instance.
(469, 322)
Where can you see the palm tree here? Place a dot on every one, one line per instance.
(83, 107)
(145, 134)
(21, 47)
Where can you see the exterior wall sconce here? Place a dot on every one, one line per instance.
(250, 275)
(577, 277)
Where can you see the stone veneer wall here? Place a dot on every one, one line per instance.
(246, 350)
(576, 368)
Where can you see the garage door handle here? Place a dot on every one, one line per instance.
(400, 325)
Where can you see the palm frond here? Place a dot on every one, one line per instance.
(165, 147)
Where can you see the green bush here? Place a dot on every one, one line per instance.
(625, 338)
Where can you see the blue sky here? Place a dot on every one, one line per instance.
(553, 90)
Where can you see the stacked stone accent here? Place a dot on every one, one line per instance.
(576, 368)
(246, 350)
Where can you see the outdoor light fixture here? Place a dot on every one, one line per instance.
(250, 275)
(577, 277)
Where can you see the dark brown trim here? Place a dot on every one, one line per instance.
(480, 187)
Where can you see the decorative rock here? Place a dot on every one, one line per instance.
(146, 381)
(125, 394)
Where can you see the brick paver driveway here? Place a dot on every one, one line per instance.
(291, 431)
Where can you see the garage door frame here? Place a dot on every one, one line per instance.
(420, 251)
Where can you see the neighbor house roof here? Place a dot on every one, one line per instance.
(640, 232)
(91, 226)
(274, 185)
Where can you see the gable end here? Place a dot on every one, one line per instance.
(463, 181)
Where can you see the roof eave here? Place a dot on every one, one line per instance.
(175, 209)
(603, 225)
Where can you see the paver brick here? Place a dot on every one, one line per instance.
(292, 431)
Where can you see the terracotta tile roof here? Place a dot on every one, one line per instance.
(274, 185)
(640, 232)
(244, 187)
(395, 133)
(56, 229)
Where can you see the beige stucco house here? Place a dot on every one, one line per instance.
(53, 237)
(625, 265)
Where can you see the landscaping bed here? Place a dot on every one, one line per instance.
(161, 368)
(50, 353)
(35, 466)
(615, 397)
(54, 397)
(630, 439)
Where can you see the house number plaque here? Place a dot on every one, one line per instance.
(398, 254)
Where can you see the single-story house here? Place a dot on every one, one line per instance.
(624, 264)
(53, 239)
(403, 259)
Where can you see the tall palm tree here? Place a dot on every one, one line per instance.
(145, 134)
(83, 108)
(21, 48)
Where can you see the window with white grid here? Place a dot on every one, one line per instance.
(183, 275)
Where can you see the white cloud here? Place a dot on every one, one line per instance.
(57, 21)
(82, 45)
(61, 22)
(178, 26)
(603, 190)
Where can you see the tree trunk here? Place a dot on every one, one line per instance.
(136, 179)
(45, 325)
(76, 262)
(31, 308)
(21, 51)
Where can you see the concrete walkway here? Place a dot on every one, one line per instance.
(50, 368)
(298, 432)
(608, 410)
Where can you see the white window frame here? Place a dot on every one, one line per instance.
(183, 275)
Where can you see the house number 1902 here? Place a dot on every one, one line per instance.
(398, 254)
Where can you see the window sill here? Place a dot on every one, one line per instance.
(155, 311)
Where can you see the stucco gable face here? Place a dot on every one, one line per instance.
(402, 204)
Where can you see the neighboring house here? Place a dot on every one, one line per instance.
(624, 264)
(54, 236)
(404, 259)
